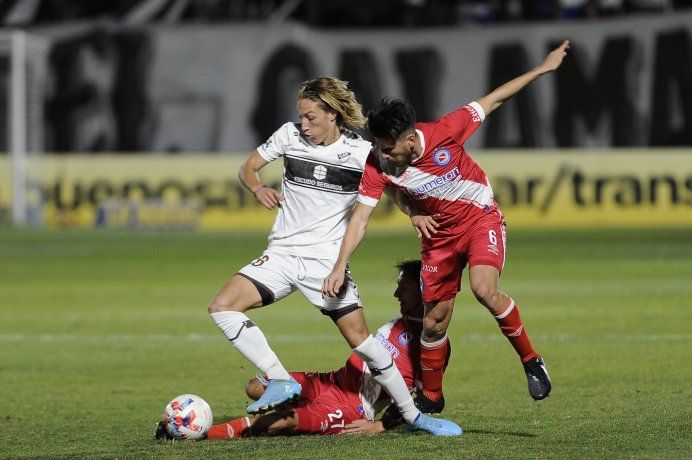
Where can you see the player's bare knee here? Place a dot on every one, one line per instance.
(213, 308)
(485, 293)
(226, 304)
(433, 329)
(216, 306)
(238, 294)
(254, 389)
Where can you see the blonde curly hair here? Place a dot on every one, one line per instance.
(333, 95)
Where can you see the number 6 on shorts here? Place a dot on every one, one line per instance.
(492, 236)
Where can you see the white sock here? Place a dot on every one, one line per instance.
(249, 340)
(386, 373)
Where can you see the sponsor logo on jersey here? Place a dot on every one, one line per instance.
(324, 176)
(443, 180)
(493, 248)
(430, 268)
(404, 338)
(442, 157)
(391, 349)
(320, 172)
(343, 157)
(317, 183)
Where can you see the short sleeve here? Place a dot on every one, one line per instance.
(463, 122)
(278, 143)
(372, 183)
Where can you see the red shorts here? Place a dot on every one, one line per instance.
(445, 255)
(324, 406)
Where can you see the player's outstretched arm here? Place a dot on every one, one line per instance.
(265, 195)
(355, 232)
(509, 89)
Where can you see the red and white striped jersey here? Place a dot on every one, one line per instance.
(444, 181)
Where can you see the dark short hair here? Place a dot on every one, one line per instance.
(391, 118)
(410, 269)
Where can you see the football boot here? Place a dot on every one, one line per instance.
(278, 392)
(436, 426)
(538, 379)
(428, 406)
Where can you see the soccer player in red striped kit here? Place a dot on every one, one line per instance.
(452, 207)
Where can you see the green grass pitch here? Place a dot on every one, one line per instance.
(98, 330)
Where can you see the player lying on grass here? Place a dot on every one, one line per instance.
(348, 399)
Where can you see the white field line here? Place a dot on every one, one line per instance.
(155, 338)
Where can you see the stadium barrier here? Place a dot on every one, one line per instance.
(551, 188)
(148, 214)
(627, 81)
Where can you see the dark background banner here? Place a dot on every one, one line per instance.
(221, 88)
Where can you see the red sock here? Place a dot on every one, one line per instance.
(234, 429)
(433, 361)
(513, 328)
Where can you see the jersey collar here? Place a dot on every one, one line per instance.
(422, 143)
(341, 137)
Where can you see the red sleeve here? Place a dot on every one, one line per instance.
(463, 122)
(372, 183)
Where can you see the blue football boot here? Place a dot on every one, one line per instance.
(436, 426)
(278, 392)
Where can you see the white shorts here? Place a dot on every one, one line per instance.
(279, 274)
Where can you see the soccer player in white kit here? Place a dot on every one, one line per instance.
(323, 164)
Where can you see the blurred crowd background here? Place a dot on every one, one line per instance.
(318, 13)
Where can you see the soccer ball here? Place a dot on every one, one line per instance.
(187, 417)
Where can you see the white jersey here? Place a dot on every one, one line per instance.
(320, 184)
